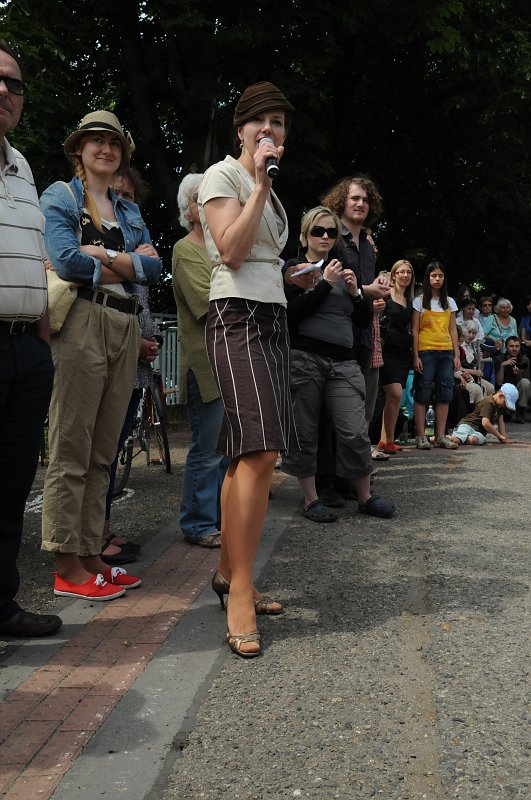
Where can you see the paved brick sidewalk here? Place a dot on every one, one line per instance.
(50, 717)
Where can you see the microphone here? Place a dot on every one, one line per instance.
(271, 163)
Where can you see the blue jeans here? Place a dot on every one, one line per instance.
(205, 468)
(438, 367)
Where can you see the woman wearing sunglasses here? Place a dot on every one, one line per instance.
(323, 369)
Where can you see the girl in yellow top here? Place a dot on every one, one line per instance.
(435, 354)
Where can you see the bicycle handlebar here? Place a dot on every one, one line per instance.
(164, 326)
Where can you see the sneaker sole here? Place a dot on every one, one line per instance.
(61, 593)
(130, 586)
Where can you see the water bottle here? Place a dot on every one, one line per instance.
(404, 433)
(430, 421)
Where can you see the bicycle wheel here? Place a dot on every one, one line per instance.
(158, 427)
(123, 467)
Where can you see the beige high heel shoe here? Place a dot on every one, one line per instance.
(263, 605)
(235, 641)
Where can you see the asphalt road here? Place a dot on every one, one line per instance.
(400, 669)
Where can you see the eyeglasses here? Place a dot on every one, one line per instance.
(13, 85)
(318, 230)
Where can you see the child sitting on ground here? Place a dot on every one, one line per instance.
(474, 427)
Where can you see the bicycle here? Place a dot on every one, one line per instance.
(149, 431)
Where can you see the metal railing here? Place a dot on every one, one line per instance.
(168, 360)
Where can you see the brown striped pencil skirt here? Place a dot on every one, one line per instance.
(248, 348)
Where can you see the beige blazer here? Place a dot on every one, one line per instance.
(260, 275)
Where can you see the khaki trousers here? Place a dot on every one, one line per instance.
(95, 357)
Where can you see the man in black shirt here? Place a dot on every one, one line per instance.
(358, 203)
(514, 368)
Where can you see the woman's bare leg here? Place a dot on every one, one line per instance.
(224, 564)
(441, 415)
(419, 415)
(393, 396)
(245, 504)
(71, 568)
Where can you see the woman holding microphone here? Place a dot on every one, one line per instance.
(245, 231)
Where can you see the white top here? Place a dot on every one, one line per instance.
(260, 275)
(435, 305)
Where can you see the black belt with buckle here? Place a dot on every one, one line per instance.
(16, 327)
(127, 305)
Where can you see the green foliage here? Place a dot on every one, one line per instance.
(430, 97)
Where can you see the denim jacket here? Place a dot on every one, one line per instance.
(62, 236)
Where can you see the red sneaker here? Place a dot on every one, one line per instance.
(96, 588)
(389, 447)
(119, 577)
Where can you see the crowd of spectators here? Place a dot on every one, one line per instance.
(306, 353)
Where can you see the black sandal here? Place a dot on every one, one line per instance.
(318, 512)
(377, 507)
(129, 547)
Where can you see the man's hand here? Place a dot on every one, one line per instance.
(379, 289)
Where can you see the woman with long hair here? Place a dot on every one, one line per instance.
(246, 229)
(397, 353)
(100, 242)
(435, 354)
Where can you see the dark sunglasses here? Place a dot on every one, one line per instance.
(13, 85)
(318, 230)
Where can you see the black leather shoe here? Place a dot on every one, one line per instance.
(26, 624)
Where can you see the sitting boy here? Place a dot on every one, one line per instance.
(474, 427)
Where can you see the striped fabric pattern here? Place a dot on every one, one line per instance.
(248, 348)
(23, 292)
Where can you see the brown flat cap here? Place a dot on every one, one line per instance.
(258, 97)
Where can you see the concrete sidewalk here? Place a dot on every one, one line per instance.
(398, 670)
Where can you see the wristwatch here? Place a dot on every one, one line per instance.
(111, 254)
(358, 296)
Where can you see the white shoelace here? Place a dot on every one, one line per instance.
(118, 571)
(100, 580)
